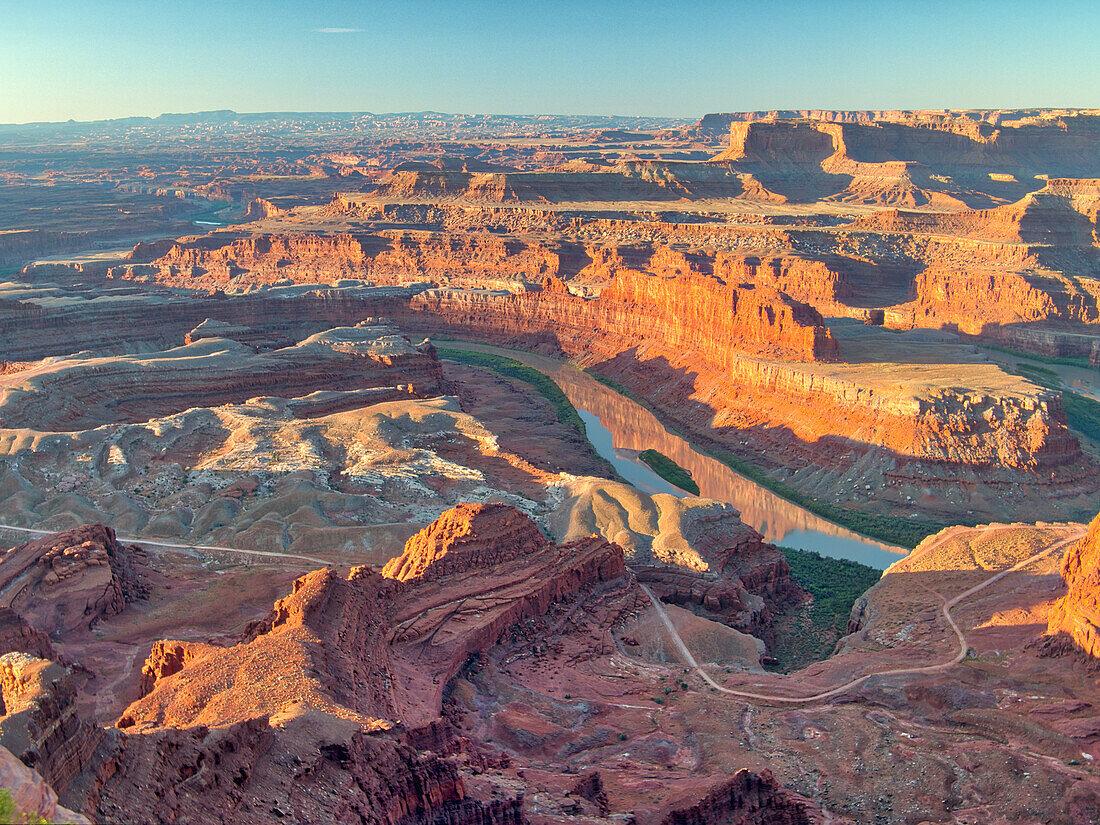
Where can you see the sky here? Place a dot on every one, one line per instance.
(95, 59)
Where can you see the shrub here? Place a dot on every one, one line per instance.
(669, 470)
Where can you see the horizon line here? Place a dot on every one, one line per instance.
(367, 112)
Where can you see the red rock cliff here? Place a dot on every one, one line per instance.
(1077, 614)
(467, 537)
(690, 313)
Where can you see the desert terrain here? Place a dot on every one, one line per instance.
(461, 469)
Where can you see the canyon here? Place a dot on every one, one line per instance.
(317, 449)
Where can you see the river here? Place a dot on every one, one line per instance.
(620, 429)
(1083, 380)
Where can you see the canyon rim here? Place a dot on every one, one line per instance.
(731, 466)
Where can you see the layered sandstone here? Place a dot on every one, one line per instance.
(16, 636)
(85, 391)
(467, 537)
(388, 257)
(344, 673)
(641, 310)
(920, 417)
(1060, 144)
(742, 363)
(733, 361)
(1077, 614)
(40, 723)
(1063, 213)
(345, 615)
(71, 580)
(691, 552)
(17, 246)
(312, 680)
(746, 798)
(474, 573)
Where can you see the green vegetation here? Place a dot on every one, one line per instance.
(10, 813)
(808, 633)
(669, 470)
(1067, 361)
(1041, 374)
(1082, 412)
(835, 584)
(903, 532)
(510, 368)
(212, 212)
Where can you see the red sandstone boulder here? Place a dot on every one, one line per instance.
(71, 580)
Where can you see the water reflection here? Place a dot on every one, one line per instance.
(1083, 380)
(620, 428)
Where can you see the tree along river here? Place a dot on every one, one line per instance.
(620, 429)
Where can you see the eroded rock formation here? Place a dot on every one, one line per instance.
(40, 722)
(746, 799)
(16, 636)
(1077, 614)
(341, 674)
(72, 579)
(467, 537)
(83, 392)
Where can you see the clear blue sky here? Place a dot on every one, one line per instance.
(88, 59)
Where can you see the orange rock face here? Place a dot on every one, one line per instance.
(389, 257)
(467, 537)
(668, 315)
(226, 685)
(348, 672)
(39, 723)
(337, 640)
(1077, 614)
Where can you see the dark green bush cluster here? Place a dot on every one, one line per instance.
(835, 584)
(510, 368)
(10, 813)
(1064, 360)
(669, 470)
(1082, 412)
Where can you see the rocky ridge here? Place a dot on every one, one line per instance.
(70, 580)
(83, 392)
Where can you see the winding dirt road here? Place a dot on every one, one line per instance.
(674, 635)
(948, 604)
(172, 546)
